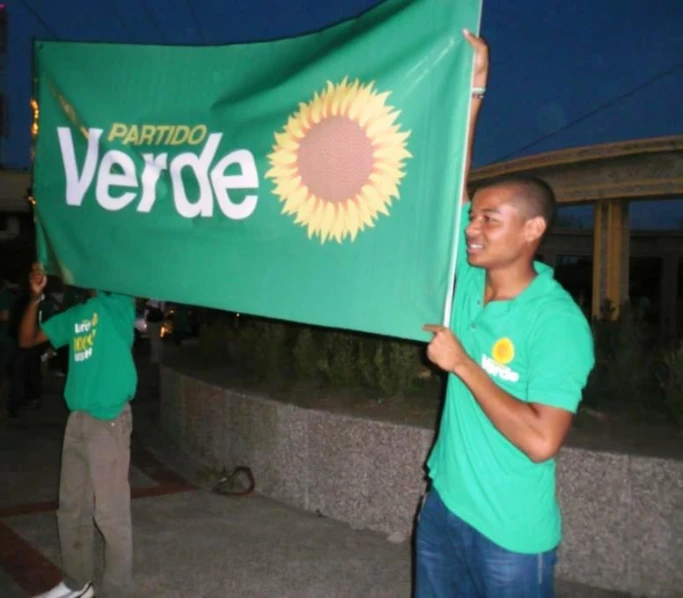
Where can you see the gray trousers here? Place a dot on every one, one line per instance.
(94, 486)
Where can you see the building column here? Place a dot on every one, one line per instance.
(611, 257)
(669, 295)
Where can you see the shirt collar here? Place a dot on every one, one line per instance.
(539, 286)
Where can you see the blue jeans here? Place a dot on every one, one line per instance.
(455, 560)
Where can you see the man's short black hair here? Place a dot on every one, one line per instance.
(534, 197)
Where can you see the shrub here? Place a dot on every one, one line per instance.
(340, 361)
(397, 366)
(670, 378)
(306, 354)
(261, 348)
(214, 335)
(367, 348)
(629, 374)
(625, 356)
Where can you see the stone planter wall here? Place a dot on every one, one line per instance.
(623, 515)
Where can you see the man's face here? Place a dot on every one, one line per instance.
(498, 234)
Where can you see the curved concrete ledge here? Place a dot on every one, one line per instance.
(623, 515)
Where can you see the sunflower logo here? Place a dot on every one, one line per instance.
(503, 351)
(338, 162)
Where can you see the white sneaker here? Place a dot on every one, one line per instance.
(61, 591)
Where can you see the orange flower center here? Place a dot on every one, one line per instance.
(335, 159)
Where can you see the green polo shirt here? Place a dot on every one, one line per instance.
(99, 334)
(539, 348)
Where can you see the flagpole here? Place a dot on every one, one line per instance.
(448, 306)
(35, 129)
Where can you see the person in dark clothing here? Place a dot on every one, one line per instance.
(26, 381)
(26, 377)
(8, 345)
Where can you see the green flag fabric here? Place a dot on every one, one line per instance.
(313, 179)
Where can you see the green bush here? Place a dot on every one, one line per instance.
(630, 374)
(306, 354)
(367, 348)
(261, 348)
(671, 383)
(215, 335)
(625, 358)
(397, 366)
(351, 360)
(340, 360)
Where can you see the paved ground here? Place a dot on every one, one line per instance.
(188, 541)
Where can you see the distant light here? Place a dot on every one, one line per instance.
(36, 114)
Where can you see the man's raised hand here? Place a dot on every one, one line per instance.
(37, 280)
(481, 59)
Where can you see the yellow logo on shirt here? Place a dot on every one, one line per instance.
(84, 339)
(503, 350)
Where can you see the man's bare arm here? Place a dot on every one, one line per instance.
(535, 429)
(479, 80)
(29, 333)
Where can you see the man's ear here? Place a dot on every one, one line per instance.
(534, 229)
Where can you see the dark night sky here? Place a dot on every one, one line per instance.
(553, 63)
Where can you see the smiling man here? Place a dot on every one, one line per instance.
(518, 354)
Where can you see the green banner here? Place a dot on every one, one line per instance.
(313, 179)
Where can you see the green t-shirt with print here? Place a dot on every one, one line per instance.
(48, 308)
(99, 333)
(539, 348)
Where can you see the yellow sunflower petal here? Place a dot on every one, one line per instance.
(281, 171)
(315, 219)
(317, 110)
(374, 199)
(337, 230)
(286, 141)
(285, 157)
(295, 200)
(364, 211)
(348, 97)
(391, 153)
(380, 125)
(390, 138)
(373, 109)
(306, 209)
(386, 187)
(326, 220)
(352, 219)
(294, 127)
(287, 186)
(389, 170)
(359, 102)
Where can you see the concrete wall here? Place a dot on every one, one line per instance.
(623, 515)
